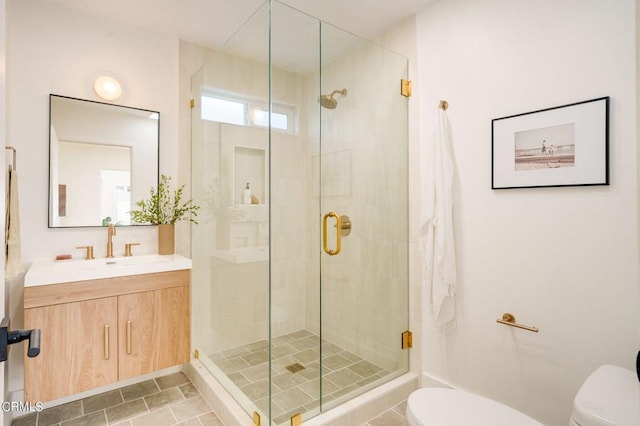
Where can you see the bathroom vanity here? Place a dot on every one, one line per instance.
(103, 321)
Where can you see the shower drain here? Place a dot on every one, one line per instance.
(294, 368)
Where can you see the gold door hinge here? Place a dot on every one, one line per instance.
(196, 354)
(192, 103)
(407, 340)
(296, 420)
(405, 87)
(256, 418)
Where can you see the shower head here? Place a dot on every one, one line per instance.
(329, 102)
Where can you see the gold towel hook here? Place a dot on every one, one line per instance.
(444, 105)
(12, 166)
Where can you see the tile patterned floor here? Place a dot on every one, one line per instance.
(165, 401)
(299, 392)
(173, 400)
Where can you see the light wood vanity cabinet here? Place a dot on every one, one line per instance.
(98, 332)
(152, 329)
(71, 358)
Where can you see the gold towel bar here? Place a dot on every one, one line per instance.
(509, 319)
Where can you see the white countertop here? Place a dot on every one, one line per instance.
(60, 271)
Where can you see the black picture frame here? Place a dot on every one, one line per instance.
(566, 145)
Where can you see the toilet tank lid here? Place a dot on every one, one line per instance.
(609, 396)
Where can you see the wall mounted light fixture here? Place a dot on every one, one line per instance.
(107, 88)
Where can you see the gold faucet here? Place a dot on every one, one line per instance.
(111, 231)
(127, 248)
(88, 253)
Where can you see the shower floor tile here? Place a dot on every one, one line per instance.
(299, 391)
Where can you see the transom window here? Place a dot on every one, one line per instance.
(243, 110)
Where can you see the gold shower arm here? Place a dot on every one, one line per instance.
(343, 92)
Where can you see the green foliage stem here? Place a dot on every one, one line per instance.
(163, 207)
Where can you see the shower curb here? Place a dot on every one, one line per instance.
(223, 404)
(369, 405)
(355, 412)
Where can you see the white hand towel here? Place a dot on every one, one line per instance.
(13, 260)
(437, 233)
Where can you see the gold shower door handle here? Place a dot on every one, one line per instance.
(331, 252)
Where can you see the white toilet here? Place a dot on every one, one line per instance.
(610, 396)
(450, 407)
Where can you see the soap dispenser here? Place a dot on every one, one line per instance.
(246, 195)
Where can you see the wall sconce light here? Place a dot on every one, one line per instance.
(107, 88)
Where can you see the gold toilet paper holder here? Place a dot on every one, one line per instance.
(510, 320)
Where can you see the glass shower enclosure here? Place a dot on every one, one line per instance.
(300, 257)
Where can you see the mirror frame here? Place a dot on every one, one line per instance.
(110, 105)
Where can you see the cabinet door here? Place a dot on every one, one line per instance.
(173, 337)
(135, 326)
(154, 330)
(77, 348)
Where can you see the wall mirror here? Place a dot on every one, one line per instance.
(102, 159)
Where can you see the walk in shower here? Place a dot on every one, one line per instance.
(300, 257)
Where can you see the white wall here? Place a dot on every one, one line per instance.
(562, 259)
(52, 49)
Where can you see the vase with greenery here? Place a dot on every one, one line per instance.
(164, 208)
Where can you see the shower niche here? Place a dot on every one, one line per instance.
(244, 222)
(243, 160)
(249, 173)
(284, 324)
(249, 211)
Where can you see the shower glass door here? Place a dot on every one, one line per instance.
(362, 175)
(300, 280)
(295, 203)
(230, 150)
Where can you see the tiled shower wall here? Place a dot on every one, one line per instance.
(364, 298)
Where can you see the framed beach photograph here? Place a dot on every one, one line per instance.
(566, 145)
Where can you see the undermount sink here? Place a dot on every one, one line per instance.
(61, 271)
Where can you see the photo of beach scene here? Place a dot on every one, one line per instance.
(546, 148)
